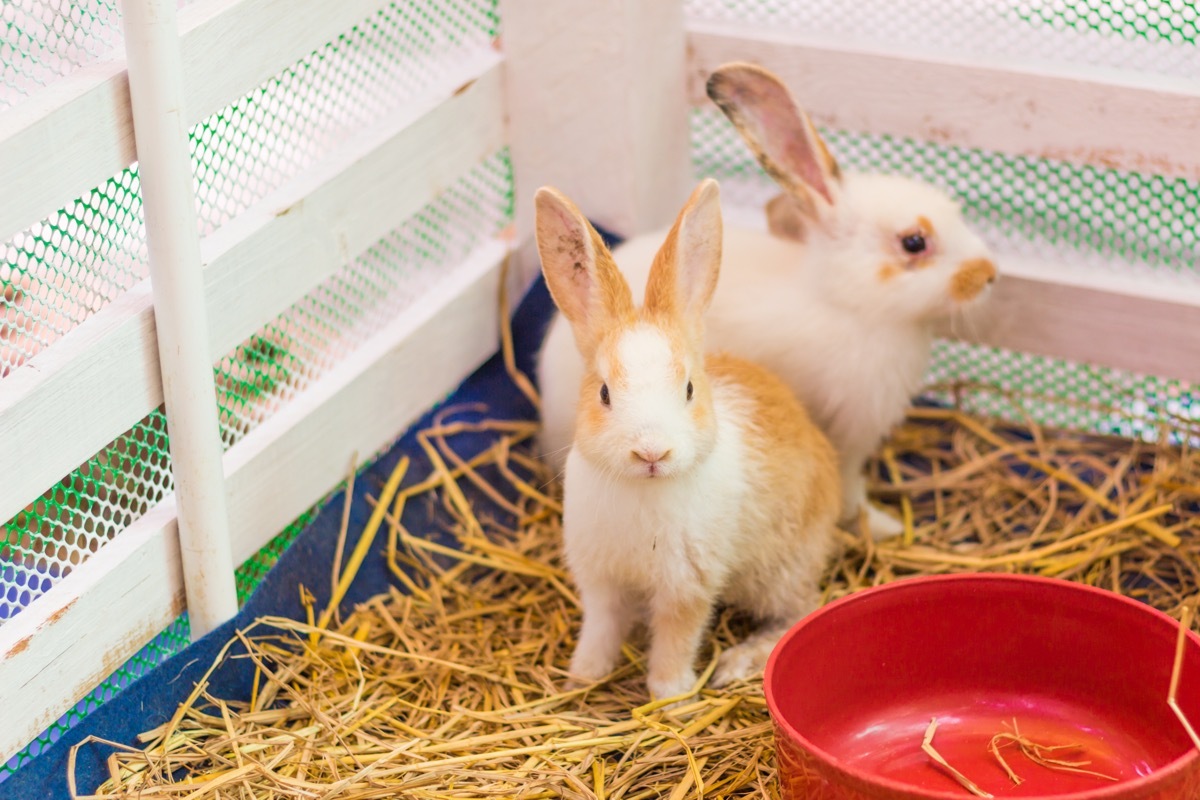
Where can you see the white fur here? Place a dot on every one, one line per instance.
(729, 513)
(666, 550)
(854, 348)
(649, 408)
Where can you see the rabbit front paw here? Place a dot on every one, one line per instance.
(881, 524)
(680, 685)
(741, 662)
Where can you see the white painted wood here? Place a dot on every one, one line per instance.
(1129, 121)
(78, 132)
(68, 640)
(257, 266)
(1126, 320)
(596, 107)
(181, 323)
(231, 46)
(89, 623)
(62, 141)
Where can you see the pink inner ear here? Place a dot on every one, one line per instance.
(784, 133)
(798, 150)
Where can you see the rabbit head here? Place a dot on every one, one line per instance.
(877, 244)
(645, 407)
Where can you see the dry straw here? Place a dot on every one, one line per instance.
(1040, 754)
(451, 684)
(931, 751)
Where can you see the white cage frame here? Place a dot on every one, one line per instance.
(589, 95)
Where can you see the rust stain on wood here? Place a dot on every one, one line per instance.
(1118, 158)
(57, 615)
(19, 647)
(289, 209)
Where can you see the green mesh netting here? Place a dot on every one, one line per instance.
(42, 40)
(1173, 21)
(69, 266)
(1152, 36)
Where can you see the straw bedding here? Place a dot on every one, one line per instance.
(450, 685)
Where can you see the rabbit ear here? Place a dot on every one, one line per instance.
(780, 134)
(788, 217)
(685, 271)
(580, 272)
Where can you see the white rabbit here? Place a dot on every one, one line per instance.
(840, 297)
(692, 479)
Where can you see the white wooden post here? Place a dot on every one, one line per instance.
(173, 240)
(597, 107)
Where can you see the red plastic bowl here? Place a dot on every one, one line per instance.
(853, 687)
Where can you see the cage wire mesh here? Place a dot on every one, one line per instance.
(44, 40)
(75, 262)
(1151, 36)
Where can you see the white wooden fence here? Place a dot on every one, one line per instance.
(592, 96)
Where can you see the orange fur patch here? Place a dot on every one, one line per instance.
(889, 270)
(831, 165)
(926, 227)
(971, 278)
(590, 413)
(784, 431)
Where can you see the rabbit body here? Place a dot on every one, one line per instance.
(750, 526)
(692, 479)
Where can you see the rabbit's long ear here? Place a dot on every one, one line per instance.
(780, 134)
(583, 278)
(685, 271)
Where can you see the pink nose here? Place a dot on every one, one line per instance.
(651, 456)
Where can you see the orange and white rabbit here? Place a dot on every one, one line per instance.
(692, 479)
(838, 294)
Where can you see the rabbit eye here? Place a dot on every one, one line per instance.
(913, 243)
(604, 394)
(689, 390)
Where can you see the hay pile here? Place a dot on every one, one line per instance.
(980, 495)
(451, 687)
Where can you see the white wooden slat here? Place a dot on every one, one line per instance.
(78, 132)
(1131, 322)
(1128, 121)
(231, 46)
(257, 266)
(67, 641)
(597, 108)
(62, 141)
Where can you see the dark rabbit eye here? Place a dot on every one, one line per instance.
(604, 394)
(913, 243)
(689, 390)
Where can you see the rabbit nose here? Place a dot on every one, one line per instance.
(651, 456)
